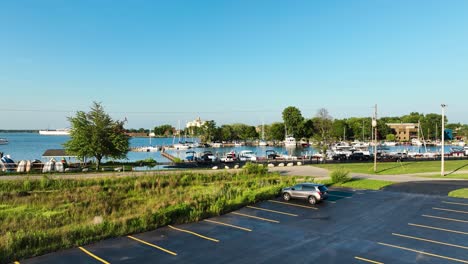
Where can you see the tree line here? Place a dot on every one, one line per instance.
(321, 127)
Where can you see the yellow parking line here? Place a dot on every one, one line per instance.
(233, 226)
(368, 260)
(465, 204)
(450, 210)
(291, 204)
(92, 255)
(152, 245)
(444, 218)
(256, 217)
(441, 229)
(193, 233)
(273, 211)
(424, 253)
(430, 241)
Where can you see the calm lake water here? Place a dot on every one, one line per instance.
(29, 146)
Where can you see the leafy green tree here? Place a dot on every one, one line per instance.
(276, 132)
(293, 121)
(95, 134)
(227, 133)
(209, 131)
(413, 117)
(164, 130)
(308, 128)
(323, 123)
(340, 129)
(390, 137)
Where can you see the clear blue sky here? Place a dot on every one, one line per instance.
(158, 62)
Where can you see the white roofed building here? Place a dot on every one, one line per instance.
(195, 123)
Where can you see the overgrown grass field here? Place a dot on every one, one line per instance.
(405, 167)
(45, 215)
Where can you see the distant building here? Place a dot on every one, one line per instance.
(195, 123)
(404, 131)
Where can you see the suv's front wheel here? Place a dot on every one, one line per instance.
(286, 196)
(312, 199)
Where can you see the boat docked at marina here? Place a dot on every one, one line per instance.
(55, 132)
(290, 142)
(247, 155)
(145, 149)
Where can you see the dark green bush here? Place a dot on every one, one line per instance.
(340, 176)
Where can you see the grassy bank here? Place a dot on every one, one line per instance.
(460, 193)
(389, 168)
(46, 215)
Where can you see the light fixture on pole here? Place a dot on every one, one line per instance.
(442, 173)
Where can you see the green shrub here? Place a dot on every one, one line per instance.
(251, 168)
(340, 175)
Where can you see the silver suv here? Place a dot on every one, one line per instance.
(312, 192)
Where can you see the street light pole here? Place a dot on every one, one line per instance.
(374, 126)
(442, 173)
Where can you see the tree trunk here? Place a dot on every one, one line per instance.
(98, 163)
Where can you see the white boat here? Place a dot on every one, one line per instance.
(217, 145)
(238, 144)
(54, 132)
(290, 142)
(390, 143)
(247, 155)
(145, 149)
(416, 142)
(3, 141)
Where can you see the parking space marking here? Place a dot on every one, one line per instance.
(341, 196)
(272, 211)
(465, 204)
(92, 255)
(441, 229)
(450, 210)
(233, 226)
(256, 217)
(444, 218)
(193, 233)
(291, 204)
(430, 241)
(327, 201)
(153, 245)
(424, 253)
(368, 260)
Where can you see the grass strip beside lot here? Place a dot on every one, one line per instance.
(40, 216)
(394, 168)
(359, 184)
(460, 193)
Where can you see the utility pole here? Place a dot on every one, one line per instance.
(442, 173)
(374, 125)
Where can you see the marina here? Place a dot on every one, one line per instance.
(32, 146)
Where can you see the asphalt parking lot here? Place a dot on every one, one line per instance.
(353, 226)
